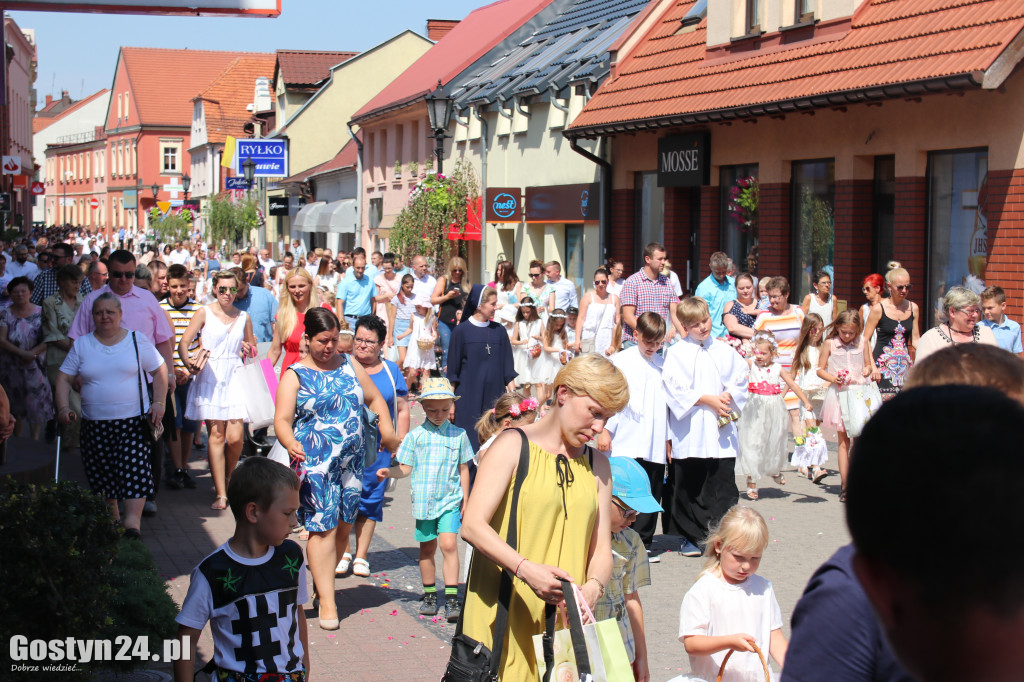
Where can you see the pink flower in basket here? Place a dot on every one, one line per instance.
(843, 376)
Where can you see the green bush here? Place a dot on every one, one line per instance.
(68, 574)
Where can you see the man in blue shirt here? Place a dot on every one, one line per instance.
(355, 293)
(259, 304)
(1006, 331)
(718, 289)
(565, 290)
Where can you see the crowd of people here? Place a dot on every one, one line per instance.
(594, 416)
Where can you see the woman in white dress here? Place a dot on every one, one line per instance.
(216, 396)
(527, 335)
(821, 300)
(510, 289)
(598, 318)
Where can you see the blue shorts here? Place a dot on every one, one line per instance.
(429, 529)
(401, 327)
(180, 403)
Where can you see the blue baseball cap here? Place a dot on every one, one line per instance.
(631, 485)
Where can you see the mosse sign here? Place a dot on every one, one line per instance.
(684, 160)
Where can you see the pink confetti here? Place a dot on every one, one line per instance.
(422, 617)
(404, 642)
(330, 636)
(390, 637)
(391, 527)
(372, 619)
(395, 612)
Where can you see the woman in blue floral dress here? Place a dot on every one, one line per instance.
(318, 421)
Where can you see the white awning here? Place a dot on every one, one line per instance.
(338, 217)
(305, 219)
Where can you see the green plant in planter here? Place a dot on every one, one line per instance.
(413, 168)
(67, 574)
(436, 203)
(398, 170)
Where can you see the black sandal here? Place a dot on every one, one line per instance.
(842, 495)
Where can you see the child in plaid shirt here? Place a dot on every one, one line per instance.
(631, 493)
(437, 454)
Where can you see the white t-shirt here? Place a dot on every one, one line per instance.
(403, 311)
(715, 608)
(110, 375)
(423, 289)
(179, 257)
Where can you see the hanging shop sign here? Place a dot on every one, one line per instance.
(278, 205)
(564, 203)
(504, 205)
(684, 160)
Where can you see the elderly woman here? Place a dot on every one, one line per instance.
(317, 421)
(111, 362)
(784, 321)
(564, 502)
(58, 314)
(369, 340)
(962, 308)
(22, 367)
(740, 314)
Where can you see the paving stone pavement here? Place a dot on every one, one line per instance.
(382, 637)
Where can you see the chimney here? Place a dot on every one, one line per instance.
(49, 100)
(438, 28)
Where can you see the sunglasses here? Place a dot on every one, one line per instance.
(535, 274)
(227, 290)
(900, 287)
(599, 282)
(865, 289)
(458, 270)
(122, 275)
(627, 513)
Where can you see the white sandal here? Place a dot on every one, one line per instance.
(342, 567)
(361, 568)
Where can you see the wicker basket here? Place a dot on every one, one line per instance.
(764, 664)
(425, 344)
(535, 351)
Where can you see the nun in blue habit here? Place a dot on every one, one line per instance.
(480, 363)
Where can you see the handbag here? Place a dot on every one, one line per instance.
(857, 404)
(150, 430)
(470, 660)
(259, 403)
(198, 360)
(369, 421)
(567, 659)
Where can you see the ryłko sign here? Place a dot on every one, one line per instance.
(684, 160)
(503, 205)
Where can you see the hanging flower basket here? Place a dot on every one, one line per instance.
(744, 197)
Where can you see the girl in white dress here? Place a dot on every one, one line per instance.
(416, 358)
(730, 607)
(216, 396)
(805, 364)
(762, 427)
(551, 359)
(527, 337)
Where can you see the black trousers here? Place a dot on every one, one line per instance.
(702, 490)
(647, 524)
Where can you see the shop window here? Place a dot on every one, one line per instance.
(957, 224)
(813, 224)
(738, 223)
(574, 255)
(650, 214)
(883, 208)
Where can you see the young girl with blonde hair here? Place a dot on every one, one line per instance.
(555, 340)
(511, 410)
(730, 607)
(527, 336)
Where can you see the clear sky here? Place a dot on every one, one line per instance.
(78, 52)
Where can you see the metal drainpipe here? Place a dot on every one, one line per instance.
(606, 192)
(359, 186)
(483, 188)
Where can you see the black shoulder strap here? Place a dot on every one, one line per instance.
(511, 539)
(138, 360)
(579, 643)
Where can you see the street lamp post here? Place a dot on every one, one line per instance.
(249, 171)
(439, 112)
(186, 182)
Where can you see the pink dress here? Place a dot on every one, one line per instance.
(841, 357)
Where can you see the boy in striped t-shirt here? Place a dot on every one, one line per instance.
(180, 307)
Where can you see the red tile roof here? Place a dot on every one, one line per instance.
(307, 68)
(890, 48)
(43, 122)
(226, 98)
(346, 158)
(164, 82)
(468, 40)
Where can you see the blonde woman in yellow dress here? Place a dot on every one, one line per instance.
(565, 501)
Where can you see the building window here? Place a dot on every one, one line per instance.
(738, 196)
(170, 159)
(883, 213)
(135, 157)
(119, 109)
(804, 11)
(752, 16)
(650, 214)
(126, 106)
(957, 223)
(813, 223)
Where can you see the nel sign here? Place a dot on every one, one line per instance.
(684, 160)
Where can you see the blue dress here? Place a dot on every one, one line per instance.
(371, 500)
(327, 409)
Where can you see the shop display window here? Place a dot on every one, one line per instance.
(813, 225)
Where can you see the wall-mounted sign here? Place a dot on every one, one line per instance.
(236, 182)
(269, 155)
(503, 205)
(684, 160)
(564, 204)
(130, 198)
(278, 205)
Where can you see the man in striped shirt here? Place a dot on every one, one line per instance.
(181, 308)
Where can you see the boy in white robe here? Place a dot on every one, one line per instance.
(704, 379)
(641, 430)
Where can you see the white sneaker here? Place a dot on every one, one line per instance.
(653, 558)
(342, 567)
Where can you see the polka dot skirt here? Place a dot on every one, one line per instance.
(116, 457)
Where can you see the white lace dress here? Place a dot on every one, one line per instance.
(217, 393)
(763, 424)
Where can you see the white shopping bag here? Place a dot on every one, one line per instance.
(258, 401)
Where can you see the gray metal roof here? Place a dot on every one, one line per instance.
(566, 43)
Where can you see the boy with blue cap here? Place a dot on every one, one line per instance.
(631, 494)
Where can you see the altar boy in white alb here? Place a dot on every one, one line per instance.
(640, 431)
(705, 381)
